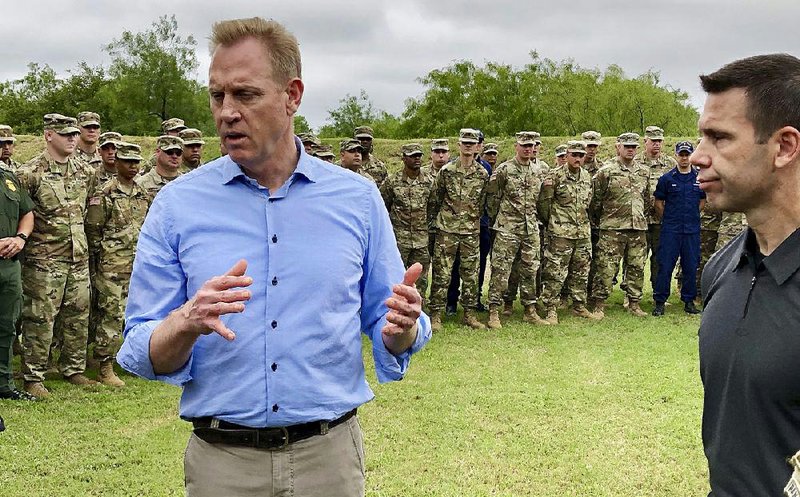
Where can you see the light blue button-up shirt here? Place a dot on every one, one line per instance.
(323, 258)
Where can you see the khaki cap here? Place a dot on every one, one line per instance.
(172, 124)
(7, 133)
(309, 138)
(350, 145)
(468, 135)
(411, 149)
(440, 144)
(110, 137)
(561, 150)
(323, 152)
(61, 124)
(191, 136)
(628, 139)
(128, 151)
(169, 142)
(363, 132)
(87, 118)
(526, 138)
(591, 138)
(653, 133)
(576, 146)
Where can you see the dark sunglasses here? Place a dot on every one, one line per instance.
(576, 154)
(173, 152)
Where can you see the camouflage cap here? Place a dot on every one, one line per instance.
(576, 146)
(129, 151)
(537, 135)
(363, 132)
(62, 125)
(591, 138)
(309, 138)
(440, 144)
(350, 145)
(87, 118)
(172, 124)
(7, 133)
(628, 139)
(526, 138)
(109, 137)
(191, 136)
(490, 147)
(653, 133)
(169, 142)
(411, 149)
(323, 152)
(468, 135)
(561, 150)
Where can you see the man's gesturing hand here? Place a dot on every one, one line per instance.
(405, 306)
(218, 296)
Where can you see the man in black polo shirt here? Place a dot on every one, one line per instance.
(749, 161)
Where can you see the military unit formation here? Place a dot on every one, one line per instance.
(554, 235)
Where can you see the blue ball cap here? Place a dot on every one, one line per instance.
(480, 136)
(683, 147)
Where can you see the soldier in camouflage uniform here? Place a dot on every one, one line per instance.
(489, 154)
(192, 149)
(455, 206)
(86, 151)
(709, 232)
(561, 156)
(405, 194)
(172, 127)
(658, 164)
(113, 221)
(324, 152)
(564, 205)
(592, 164)
(7, 141)
(350, 156)
(440, 155)
(620, 196)
(730, 225)
(169, 150)
(512, 194)
(55, 276)
(309, 141)
(371, 164)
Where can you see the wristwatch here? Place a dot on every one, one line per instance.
(23, 236)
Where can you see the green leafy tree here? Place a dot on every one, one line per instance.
(352, 112)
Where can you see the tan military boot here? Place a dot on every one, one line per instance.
(494, 318)
(626, 302)
(107, 377)
(471, 321)
(633, 308)
(80, 380)
(436, 321)
(36, 389)
(563, 302)
(552, 316)
(598, 309)
(531, 316)
(508, 308)
(582, 312)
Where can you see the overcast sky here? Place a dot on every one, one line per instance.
(383, 46)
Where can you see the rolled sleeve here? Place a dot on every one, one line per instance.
(134, 356)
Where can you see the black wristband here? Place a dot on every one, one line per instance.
(23, 236)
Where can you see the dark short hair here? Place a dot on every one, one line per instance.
(772, 85)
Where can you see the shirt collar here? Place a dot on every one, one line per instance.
(782, 263)
(305, 167)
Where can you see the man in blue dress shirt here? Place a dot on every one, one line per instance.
(254, 278)
(678, 202)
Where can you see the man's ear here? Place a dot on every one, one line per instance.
(294, 89)
(787, 140)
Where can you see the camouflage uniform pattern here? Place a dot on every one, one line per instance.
(56, 270)
(114, 219)
(565, 206)
(709, 232)
(375, 169)
(11, 165)
(730, 225)
(512, 196)
(92, 159)
(455, 206)
(620, 198)
(152, 182)
(406, 200)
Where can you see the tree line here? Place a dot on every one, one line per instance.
(151, 77)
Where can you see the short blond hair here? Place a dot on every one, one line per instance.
(280, 44)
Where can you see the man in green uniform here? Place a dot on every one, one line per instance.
(405, 194)
(564, 206)
(489, 154)
(7, 141)
(371, 164)
(309, 141)
(561, 156)
(55, 276)
(192, 149)
(350, 157)
(440, 155)
(172, 127)
(592, 164)
(512, 194)
(455, 206)
(16, 224)
(113, 221)
(169, 150)
(86, 150)
(620, 196)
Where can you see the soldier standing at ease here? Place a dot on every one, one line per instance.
(192, 149)
(86, 150)
(457, 201)
(592, 164)
(489, 154)
(620, 196)
(405, 194)
(55, 276)
(564, 206)
(169, 150)
(440, 155)
(350, 157)
(371, 164)
(16, 224)
(7, 141)
(115, 216)
(561, 156)
(512, 195)
(709, 232)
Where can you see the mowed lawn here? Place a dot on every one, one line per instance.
(584, 409)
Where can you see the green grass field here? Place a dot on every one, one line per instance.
(591, 409)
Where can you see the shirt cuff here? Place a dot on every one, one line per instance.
(659, 196)
(391, 367)
(134, 356)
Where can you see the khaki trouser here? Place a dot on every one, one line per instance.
(330, 465)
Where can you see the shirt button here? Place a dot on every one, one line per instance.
(274, 407)
(274, 281)
(274, 366)
(274, 238)
(274, 324)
